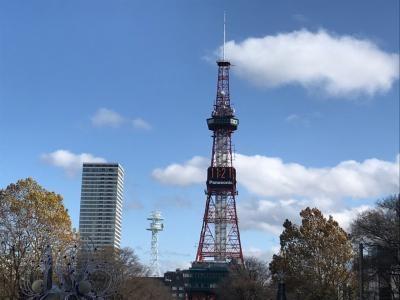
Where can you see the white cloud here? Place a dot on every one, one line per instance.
(346, 216)
(266, 215)
(271, 177)
(192, 171)
(339, 65)
(281, 190)
(139, 123)
(264, 255)
(70, 162)
(269, 215)
(106, 117)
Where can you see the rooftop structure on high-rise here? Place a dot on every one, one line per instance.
(100, 217)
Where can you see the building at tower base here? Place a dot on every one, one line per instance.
(199, 282)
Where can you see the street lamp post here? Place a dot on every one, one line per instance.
(361, 270)
(396, 268)
(281, 286)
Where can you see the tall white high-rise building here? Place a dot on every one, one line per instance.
(100, 217)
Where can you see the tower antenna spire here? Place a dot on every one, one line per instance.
(223, 48)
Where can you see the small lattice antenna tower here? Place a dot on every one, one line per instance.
(156, 225)
(223, 47)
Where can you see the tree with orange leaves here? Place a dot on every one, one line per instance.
(30, 218)
(315, 257)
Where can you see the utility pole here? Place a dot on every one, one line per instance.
(397, 267)
(281, 287)
(360, 262)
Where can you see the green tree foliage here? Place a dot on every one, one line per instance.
(315, 257)
(30, 218)
(249, 283)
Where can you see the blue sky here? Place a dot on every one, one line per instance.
(315, 86)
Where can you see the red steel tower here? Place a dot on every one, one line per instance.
(220, 237)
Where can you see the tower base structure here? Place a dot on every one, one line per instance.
(199, 282)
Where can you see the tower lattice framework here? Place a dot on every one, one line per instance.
(220, 237)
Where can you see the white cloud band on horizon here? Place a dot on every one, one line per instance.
(339, 65)
(280, 190)
(269, 215)
(264, 255)
(271, 177)
(70, 162)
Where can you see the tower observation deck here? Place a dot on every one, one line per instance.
(220, 237)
